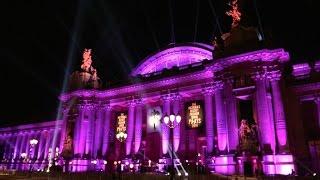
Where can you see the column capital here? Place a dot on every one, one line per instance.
(132, 102)
(166, 97)
(208, 89)
(218, 84)
(316, 98)
(274, 75)
(175, 96)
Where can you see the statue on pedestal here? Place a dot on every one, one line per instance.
(87, 77)
(248, 138)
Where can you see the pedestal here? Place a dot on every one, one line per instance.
(224, 164)
(278, 164)
(247, 165)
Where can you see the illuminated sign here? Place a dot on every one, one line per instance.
(194, 114)
(121, 121)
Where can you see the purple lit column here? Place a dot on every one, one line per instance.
(41, 145)
(28, 143)
(221, 117)
(317, 102)
(98, 130)
(176, 131)
(232, 116)
(138, 126)
(208, 101)
(65, 111)
(164, 128)
(82, 131)
(48, 143)
(130, 127)
(17, 146)
(77, 128)
(106, 128)
(266, 132)
(23, 143)
(90, 129)
(280, 120)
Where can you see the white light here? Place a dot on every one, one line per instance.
(186, 174)
(314, 174)
(125, 135)
(94, 162)
(172, 117)
(105, 162)
(178, 118)
(33, 142)
(166, 119)
(118, 136)
(187, 161)
(131, 166)
(23, 155)
(179, 174)
(127, 163)
(115, 162)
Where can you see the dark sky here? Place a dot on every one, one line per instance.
(39, 37)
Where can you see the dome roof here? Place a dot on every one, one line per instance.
(174, 55)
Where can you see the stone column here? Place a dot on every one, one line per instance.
(23, 143)
(279, 114)
(165, 136)
(264, 120)
(29, 137)
(106, 129)
(82, 131)
(208, 105)
(232, 116)
(138, 126)
(78, 118)
(317, 102)
(98, 130)
(130, 127)
(48, 143)
(65, 111)
(221, 116)
(17, 146)
(90, 129)
(176, 131)
(41, 145)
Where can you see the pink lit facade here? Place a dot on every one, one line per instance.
(249, 86)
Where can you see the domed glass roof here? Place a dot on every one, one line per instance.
(174, 55)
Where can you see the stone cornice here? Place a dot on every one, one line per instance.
(181, 80)
(158, 84)
(32, 127)
(265, 55)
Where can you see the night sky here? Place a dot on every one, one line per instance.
(39, 37)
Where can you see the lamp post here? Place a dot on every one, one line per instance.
(155, 118)
(121, 136)
(172, 121)
(33, 143)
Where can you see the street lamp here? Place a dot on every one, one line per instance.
(155, 118)
(172, 121)
(33, 143)
(121, 136)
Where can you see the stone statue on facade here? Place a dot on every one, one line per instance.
(248, 138)
(87, 77)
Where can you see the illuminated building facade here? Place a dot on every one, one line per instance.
(238, 113)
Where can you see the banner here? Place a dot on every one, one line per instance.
(121, 122)
(194, 114)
